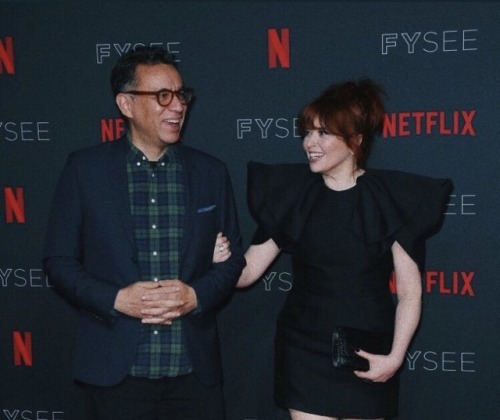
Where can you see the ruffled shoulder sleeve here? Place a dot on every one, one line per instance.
(408, 208)
(276, 197)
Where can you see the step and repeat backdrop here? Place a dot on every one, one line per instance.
(253, 65)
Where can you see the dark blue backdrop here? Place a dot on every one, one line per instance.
(440, 65)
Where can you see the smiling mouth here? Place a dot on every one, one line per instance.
(173, 121)
(313, 156)
(172, 124)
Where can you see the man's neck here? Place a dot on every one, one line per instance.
(152, 152)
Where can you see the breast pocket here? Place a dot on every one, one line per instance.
(206, 209)
(202, 235)
(206, 221)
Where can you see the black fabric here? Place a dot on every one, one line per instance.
(176, 398)
(276, 198)
(340, 243)
(337, 280)
(393, 205)
(314, 386)
(346, 341)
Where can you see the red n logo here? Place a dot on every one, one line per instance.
(14, 205)
(278, 48)
(7, 56)
(23, 351)
(112, 129)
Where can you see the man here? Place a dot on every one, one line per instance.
(130, 242)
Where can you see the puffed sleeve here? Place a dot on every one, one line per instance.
(404, 207)
(275, 194)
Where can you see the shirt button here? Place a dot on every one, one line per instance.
(155, 253)
(153, 226)
(153, 200)
(155, 332)
(138, 164)
(155, 279)
(163, 164)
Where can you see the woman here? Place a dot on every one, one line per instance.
(348, 229)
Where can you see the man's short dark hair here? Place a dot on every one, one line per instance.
(123, 75)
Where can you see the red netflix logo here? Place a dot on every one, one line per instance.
(444, 283)
(22, 348)
(454, 123)
(14, 205)
(112, 129)
(278, 48)
(7, 55)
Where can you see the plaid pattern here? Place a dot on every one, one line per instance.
(157, 199)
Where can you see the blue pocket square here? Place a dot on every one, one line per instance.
(204, 209)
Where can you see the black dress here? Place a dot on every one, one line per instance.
(340, 243)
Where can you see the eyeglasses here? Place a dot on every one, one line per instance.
(165, 96)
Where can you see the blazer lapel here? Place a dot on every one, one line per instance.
(190, 175)
(118, 187)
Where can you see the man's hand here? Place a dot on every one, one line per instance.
(169, 301)
(129, 299)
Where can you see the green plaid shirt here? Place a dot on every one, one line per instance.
(157, 200)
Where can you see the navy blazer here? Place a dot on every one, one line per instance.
(90, 254)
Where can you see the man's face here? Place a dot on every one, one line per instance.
(153, 126)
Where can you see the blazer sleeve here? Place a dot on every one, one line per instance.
(63, 250)
(216, 284)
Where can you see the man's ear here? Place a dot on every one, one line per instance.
(124, 103)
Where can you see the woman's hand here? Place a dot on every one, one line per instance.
(382, 367)
(222, 249)
(409, 290)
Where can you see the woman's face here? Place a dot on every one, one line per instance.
(327, 153)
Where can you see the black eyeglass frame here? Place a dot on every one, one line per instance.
(185, 95)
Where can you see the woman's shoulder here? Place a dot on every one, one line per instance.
(398, 176)
(278, 194)
(405, 186)
(396, 201)
(404, 206)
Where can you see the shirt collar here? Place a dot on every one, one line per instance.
(134, 155)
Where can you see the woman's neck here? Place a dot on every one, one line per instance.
(342, 181)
